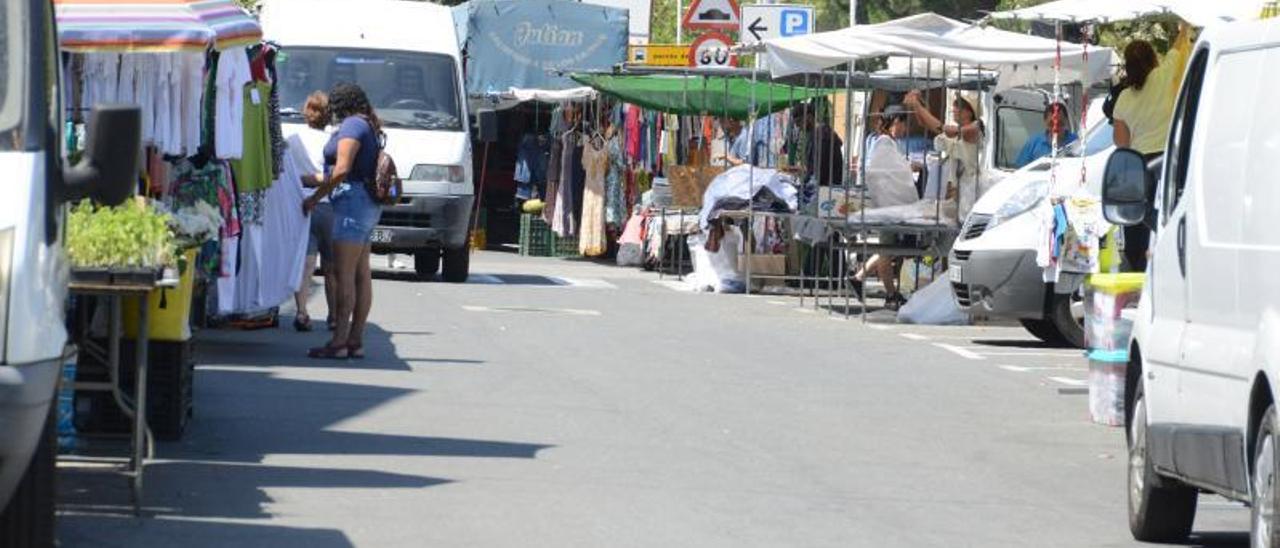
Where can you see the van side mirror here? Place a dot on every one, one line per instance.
(108, 172)
(487, 126)
(1126, 188)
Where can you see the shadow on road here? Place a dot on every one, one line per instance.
(103, 531)
(1028, 343)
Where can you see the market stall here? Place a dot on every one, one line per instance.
(514, 51)
(218, 211)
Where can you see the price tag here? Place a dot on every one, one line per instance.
(255, 96)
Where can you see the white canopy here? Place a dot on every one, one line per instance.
(1019, 58)
(1197, 12)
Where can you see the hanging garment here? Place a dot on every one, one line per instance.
(230, 79)
(553, 177)
(189, 99)
(632, 129)
(962, 182)
(531, 166)
(254, 171)
(615, 209)
(272, 254)
(563, 219)
(592, 239)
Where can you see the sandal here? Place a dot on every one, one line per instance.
(894, 301)
(302, 323)
(327, 352)
(856, 285)
(355, 351)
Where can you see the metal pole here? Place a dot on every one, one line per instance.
(679, 20)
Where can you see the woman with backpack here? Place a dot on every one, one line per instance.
(351, 157)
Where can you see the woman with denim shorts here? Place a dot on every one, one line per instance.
(352, 157)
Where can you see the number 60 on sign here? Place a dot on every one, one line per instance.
(712, 50)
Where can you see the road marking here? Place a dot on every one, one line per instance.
(1069, 382)
(914, 336)
(959, 351)
(531, 310)
(586, 283)
(1021, 369)
(1032, 354)
(674, 285)
(779, 303)
(879, 327)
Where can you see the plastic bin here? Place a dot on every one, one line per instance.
(1107, 333)
(1107, 370)
(170, 316)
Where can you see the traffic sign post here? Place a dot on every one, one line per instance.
(762, 22)
(659, 55)
(712, 50)
(721, 15)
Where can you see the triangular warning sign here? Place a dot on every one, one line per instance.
(712, 15)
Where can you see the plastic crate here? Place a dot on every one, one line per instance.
(170, 391)
(535, 236)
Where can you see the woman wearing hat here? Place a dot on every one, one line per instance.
(960, 142)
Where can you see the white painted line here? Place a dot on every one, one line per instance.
(805, 310)
(1069, 382)
(1032, 353)
(959, 351)
(587, 283)
(674, 285)
(1021, 369)
(779, 303)
(517, 310)
(879, 327)
(914, 336)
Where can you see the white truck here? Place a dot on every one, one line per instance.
(33, 265)
(405, 56)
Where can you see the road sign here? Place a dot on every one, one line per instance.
(712, 15)
(761, 22)
(712, 50)
(659, 55)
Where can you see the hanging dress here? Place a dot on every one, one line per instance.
(960, 172)
(615, 210)
(562, 218)
(592, 241)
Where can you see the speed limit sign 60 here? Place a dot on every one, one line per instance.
(712, 50)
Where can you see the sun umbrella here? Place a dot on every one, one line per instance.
(153, 25)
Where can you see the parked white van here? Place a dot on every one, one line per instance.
(993, 262)
(405, 56)
(1205, 357)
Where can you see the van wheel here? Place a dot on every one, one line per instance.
(457, 265)
(1066, 313)
(28, 519)
(1265, 497)
(426, 263)
(1045, 331)
(1160, 509)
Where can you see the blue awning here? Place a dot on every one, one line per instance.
(525, 43)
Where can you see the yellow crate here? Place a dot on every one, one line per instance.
(169, 318)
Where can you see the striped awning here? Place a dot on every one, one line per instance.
(153, 25)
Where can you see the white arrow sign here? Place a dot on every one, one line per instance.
(762, 22)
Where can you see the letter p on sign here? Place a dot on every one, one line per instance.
(794, 22)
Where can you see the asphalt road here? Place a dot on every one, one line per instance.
(559, 403)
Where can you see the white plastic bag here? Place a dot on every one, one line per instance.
(889, 179)
(933, 305)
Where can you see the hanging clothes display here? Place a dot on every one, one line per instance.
(615, 210)
(531, 167)
(563, 218)
(592, 238)
(229, 79)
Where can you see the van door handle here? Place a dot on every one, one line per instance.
(1182, 246)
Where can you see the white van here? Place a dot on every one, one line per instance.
(405, 56)
(33, 265)
(1205, 357)
(993, 262)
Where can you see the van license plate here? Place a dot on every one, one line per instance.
(380, 236)
(955, 273)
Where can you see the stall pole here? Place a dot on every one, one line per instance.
(862, 192)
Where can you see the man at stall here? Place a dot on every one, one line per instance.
(824, 150)
(1041, 144)
(753, 146)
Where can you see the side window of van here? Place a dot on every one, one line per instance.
(1178, 152)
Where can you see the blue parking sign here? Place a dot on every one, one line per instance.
(794, 22)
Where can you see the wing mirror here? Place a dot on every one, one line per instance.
(1127, 188)
(108, 172)
(487, 125)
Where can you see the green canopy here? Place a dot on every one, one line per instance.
(730, 96)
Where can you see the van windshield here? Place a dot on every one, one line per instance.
(407, 89)
(13, 32)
